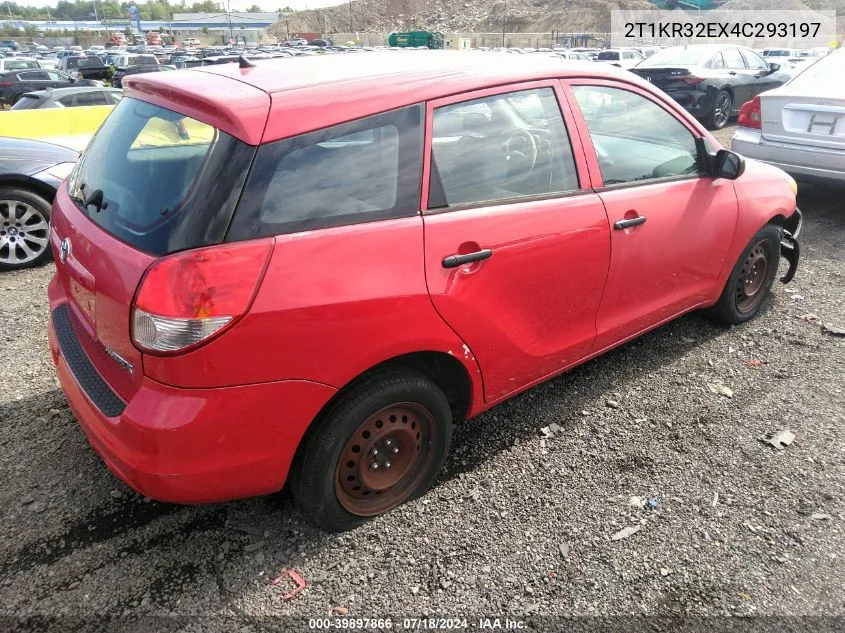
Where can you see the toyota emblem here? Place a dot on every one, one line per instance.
(64, 250)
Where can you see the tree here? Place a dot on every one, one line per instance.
(254, 9)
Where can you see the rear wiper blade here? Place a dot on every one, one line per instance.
(96, 198)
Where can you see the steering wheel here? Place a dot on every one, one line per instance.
(521, 150)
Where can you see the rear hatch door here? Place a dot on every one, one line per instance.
(152, 182)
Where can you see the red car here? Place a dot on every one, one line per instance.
(252, 290)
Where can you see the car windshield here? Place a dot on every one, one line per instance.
(159, 180)
(678, 56)
(827, 71)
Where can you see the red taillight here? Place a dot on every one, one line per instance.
(188, 297)
(693, 81)
(5, 84)
(750, 114)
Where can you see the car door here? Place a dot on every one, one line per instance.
(740, 78)
(671, 225)
(761, 78)
(517, 245)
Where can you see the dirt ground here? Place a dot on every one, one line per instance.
(519, 524)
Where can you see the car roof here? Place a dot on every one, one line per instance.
(320, 91)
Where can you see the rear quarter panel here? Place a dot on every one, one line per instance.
(333, 303)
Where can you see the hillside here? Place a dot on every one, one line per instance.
(523, 16)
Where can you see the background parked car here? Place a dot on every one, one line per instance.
(799, 127)
(18, 63)
(30, 173)
(15, 83)
(622, 57)
(85, 67)
(75, 96)
(120, 73)
(711, 81)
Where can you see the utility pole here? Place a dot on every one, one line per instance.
(229, 17)
(351, 29)
(504, 23)
(96, 17)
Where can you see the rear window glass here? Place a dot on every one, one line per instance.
(608, 56)
(159, 180)
(20, 64)
(356, 172)
(26, 103)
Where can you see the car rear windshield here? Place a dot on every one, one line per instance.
(828, 71)
(26, 103)
(21, 64)
(159, 180)
(608, 56)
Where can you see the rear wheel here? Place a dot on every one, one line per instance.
(381, 444)
(24, 229)
(722, 108)
(751, 279)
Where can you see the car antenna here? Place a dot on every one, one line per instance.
(243, 62)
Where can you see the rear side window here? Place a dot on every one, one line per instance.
(158, 180)
(356, 172)
(26, 103)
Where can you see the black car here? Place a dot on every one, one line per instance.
(120, 73)
(30, 173)
(85, 67)
(14, 83)
(711, 82)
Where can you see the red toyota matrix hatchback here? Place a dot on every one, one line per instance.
(253, 290)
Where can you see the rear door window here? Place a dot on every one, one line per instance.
(355, 172)
(158, 180)
(503, 147)
(733, 59)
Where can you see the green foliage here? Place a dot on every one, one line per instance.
(109, 9)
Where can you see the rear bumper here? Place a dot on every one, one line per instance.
(196, 445)
(800, 161)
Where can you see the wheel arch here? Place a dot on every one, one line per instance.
(30, 184)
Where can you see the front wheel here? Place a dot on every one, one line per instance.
(381, 444)
(751, 279)
(721, 113)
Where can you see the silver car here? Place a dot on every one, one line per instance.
(800, 127)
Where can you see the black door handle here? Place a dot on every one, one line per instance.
(624, 224)
(453, 261)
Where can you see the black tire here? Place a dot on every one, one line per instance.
(18, 258)
(735, 305)
(722, 111)
(317, 472)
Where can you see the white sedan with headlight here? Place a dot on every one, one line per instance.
(799, 127)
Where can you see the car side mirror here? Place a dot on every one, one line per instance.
(727, 164)
(773, 67)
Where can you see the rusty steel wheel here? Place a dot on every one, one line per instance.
(385, 459)
(382, 442)
(751, 279)
(750, 288)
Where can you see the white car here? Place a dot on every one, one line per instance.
(49, 62)
(18, 63)
(622, 57)
(799, 127)
(565, 54)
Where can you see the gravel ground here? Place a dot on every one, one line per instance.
(519, 524)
